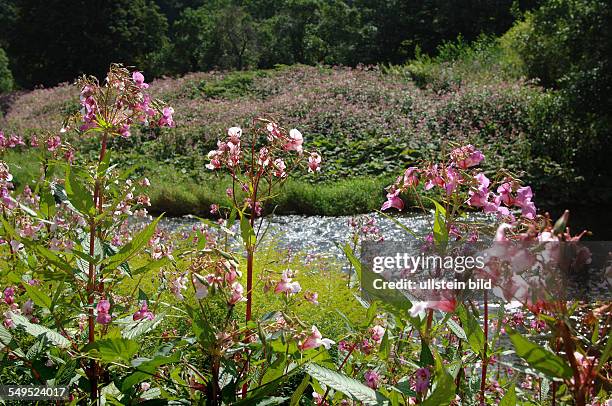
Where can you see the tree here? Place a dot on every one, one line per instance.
(6, 77)
(56, 40)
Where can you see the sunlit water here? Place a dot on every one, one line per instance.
(321, 235)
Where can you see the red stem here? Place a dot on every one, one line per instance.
(91, 285)
(485, 360)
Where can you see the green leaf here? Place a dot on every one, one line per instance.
(604, 355)
(350, 255)
(131, 249)
(539, 357)
(5, 337)
(246, 231)
(444, 392)
(475, 335)
(114, 349)
(39, 297)
(138, 328)
(144, 370)
(36, 330)
(151, 266)
(385, 346)
(457, 329)
(509, 398)
(78, 195)
(426, 357)
(46, 204)
(342, 383)
(440, 232)
(297, 395)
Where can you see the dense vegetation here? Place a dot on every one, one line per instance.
(538, 96)
(55, 41)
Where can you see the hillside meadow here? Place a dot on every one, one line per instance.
(367, 122)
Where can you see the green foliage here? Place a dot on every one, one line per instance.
(56, 41)
(6, 77)
(566, 44)
(540, 358)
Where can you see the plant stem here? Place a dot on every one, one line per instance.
(91, 285)
(485, 360)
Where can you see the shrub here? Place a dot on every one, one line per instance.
(6, 77)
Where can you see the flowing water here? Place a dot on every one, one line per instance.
(320, 235)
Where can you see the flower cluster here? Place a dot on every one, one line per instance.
(119, 103)
(210, 275)
(457, 173)
(248, 161)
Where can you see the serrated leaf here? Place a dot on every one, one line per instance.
(456, 329)
(342, 383)
(246, 232)
(475, 335)
(36, 330)
(39, 297)
(114, 349)
(144, 370)
(5, 337)
(138, 328)
(539, 357)
(133, 247)
(509, 398)
(78, 195)
(444, 392)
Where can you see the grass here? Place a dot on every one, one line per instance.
(319, 275)
(176, 193)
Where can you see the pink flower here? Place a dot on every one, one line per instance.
(378, 333)
(138, 78)
(9, 296)
(234, 134)
(166, 119)
(452, 180)
(279, 168)
(215, 160)
(236, 294)
(53, 143)
(315, 340)
(466, 156)
(372, 379)
(295, 141)
(143, 313)
(523, 200)
(214, 208)
(411, 177)
(103, 316)
(314, 162)
(393, 201)
(422, 376)
(505, 192)
(28, 307)
(479, 197)
(124, 131)
(285, 285)
(434, 178)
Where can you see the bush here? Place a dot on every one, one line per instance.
(6, 77)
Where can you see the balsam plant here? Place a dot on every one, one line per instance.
(125, 314)
(67, 247)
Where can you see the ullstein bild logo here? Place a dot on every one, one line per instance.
(527, 272)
